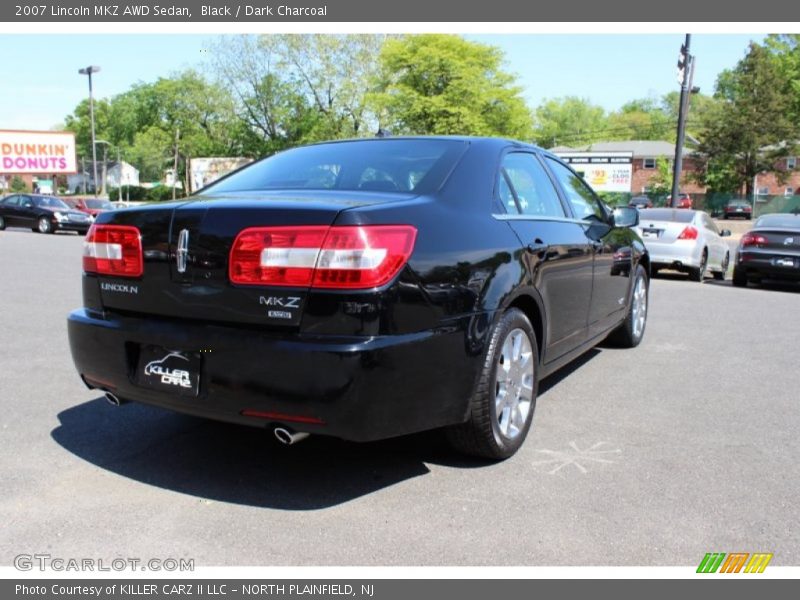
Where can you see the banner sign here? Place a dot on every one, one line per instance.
(37, 152)
(604, 171)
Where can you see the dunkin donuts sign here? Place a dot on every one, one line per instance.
(43, 152)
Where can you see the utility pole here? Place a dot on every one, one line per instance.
(685, 67)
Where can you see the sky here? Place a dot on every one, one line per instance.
(41, 84)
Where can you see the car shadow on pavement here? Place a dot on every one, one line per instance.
(237, 464)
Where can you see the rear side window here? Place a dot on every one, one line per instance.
(779, 221)
(11, 201)
(667, 214)
(526, 189)
(400, 165)
(584, 203)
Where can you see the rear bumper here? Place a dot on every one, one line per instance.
(767, 266)
(360, 388)
(677, 254)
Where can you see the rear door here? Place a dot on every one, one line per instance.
(557, 253)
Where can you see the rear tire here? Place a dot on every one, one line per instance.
(631, 331)
(739, 278)
(2, 223)
(699, 273)
(507, 384)
(720, 275)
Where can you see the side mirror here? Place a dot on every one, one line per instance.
(725, 233)
(625, 216)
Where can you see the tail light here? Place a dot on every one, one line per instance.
(113, 250)
(349, 257)
(688, 233)
(753, 239)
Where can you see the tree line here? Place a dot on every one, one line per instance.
(263, 94)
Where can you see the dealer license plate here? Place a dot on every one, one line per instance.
(171, 371)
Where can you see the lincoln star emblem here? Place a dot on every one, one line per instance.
(183, 250)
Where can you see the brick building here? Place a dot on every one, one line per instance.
(645, 155)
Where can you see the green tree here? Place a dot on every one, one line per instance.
(18, 184)
(751, 126)
(569, 121)
(291, 89)
(444, 84)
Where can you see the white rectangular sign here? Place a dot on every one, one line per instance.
(37, 152)
(606, 178)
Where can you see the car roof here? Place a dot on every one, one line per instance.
(477, 140)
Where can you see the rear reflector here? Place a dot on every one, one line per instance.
(350, 257)
(688, 233)
(113, 250)
(274, 416)
(753, 239)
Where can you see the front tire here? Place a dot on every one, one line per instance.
(631, 331)
(720, 275)
(504, 398)
(44, 225)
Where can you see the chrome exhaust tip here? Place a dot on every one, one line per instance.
(288, 437)
(113, 400)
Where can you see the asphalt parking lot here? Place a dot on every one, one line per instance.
(653, 456)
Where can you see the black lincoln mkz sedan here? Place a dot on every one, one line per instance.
(362, 289)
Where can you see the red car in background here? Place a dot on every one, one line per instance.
(684, 201)
(91, 206)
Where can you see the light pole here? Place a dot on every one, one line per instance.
(105, 165)
(88, 71)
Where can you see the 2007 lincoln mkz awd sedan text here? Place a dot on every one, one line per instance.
(362, 289)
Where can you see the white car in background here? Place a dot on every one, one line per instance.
(684, 240)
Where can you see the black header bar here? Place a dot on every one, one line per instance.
(443, 11)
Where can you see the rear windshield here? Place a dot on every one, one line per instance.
(381, 165)
(779, 221)
(666, 214)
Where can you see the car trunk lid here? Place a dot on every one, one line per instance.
(186, 246)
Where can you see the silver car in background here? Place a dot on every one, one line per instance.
(685, 240)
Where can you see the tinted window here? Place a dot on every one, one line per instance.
(99, 204)
(11, 201)
(666, 214)
(49, 202)
(782, 221)
(579, 194)
(378, 165)
(531, 192)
